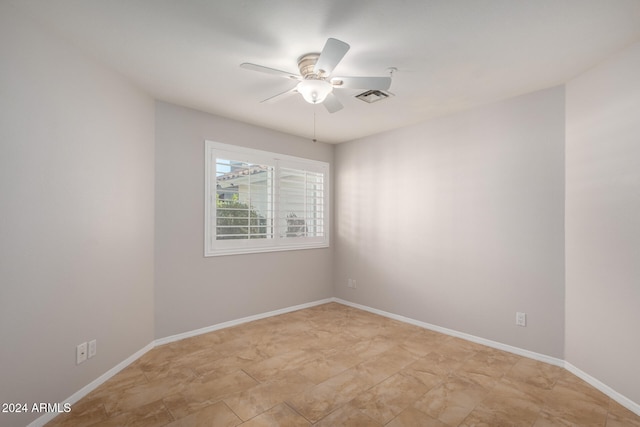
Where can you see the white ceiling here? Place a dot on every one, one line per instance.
(450, 55)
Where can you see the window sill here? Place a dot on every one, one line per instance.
(242, 251)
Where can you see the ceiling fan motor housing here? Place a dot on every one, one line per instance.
(306, 63)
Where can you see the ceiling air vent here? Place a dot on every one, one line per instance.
(372, 96)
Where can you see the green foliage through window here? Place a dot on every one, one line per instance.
(237, 220)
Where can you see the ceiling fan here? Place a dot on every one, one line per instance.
(315, 81)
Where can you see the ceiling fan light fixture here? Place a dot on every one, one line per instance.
(314, 91)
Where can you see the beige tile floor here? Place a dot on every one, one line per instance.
(334, 365)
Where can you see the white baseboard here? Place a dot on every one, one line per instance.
(41, 421)
(624, 401)
(240, 321)
(489, 343)
(621, 399)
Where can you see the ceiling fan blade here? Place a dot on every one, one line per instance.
(267, 70)
(280, 96)
(332, 53)
(332, 104)
(371, 83)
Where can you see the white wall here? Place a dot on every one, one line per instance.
(192, 291)
(458, 221)
(76, 216)
(603, 222)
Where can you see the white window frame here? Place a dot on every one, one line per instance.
(214, 247)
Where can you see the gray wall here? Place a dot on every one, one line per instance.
(459, 221)
(603, 222)
(193, 291)
(76, 216)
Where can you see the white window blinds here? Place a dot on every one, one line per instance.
(301, 202)
(243, 200)
(258, 201)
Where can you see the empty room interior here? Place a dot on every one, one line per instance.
(323, 213)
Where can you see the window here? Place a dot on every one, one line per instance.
(256, 201)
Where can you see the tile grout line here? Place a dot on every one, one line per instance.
(287, 404)
(231, 409)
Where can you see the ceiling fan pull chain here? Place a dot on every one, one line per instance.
(314, 126)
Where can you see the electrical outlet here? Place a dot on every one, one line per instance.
(351, 283)
(93, 348)
(521, 319)
(81, 353)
